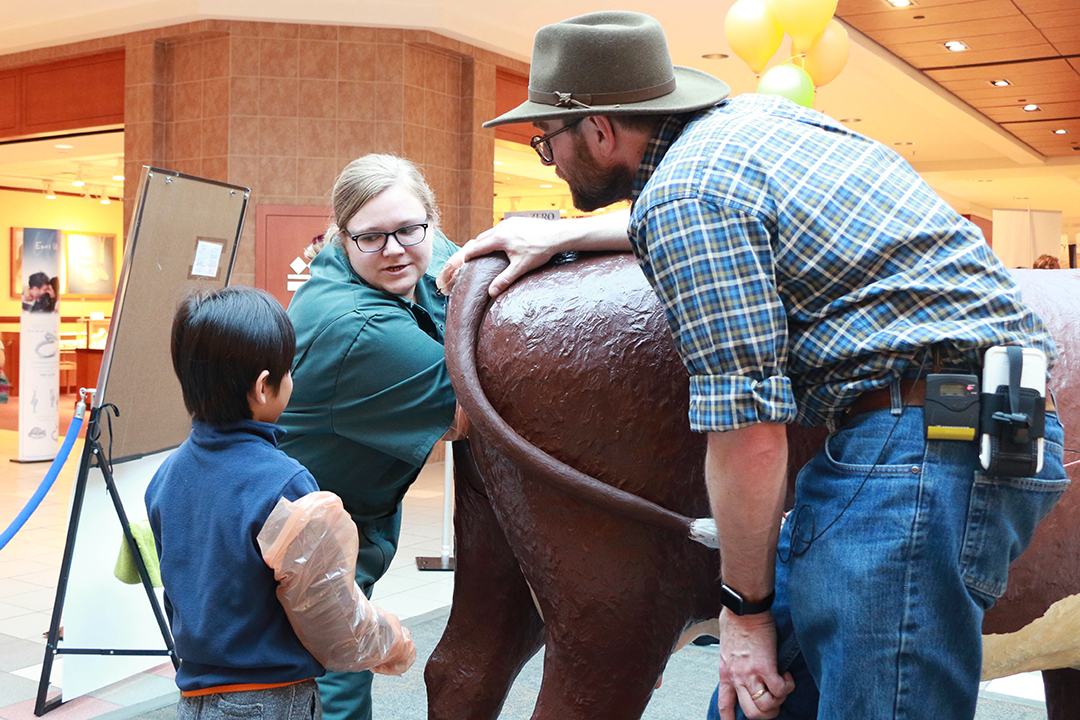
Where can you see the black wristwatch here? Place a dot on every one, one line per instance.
(739, 605)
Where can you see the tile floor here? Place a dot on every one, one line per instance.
(29, 567)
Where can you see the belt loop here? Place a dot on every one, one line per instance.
(896, 397)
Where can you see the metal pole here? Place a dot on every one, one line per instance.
(446, 561)
(448, 502)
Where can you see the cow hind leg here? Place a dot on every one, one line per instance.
(595, 676)
(1062, 694)
(494, 627)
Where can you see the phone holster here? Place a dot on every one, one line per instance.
(1014, 418)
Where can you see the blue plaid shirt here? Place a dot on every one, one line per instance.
(801, 264)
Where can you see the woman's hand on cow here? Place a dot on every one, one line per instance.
(530, 242)
(748, 672)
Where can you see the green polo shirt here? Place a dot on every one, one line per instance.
(371, 393)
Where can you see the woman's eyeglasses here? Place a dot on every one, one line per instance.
(406, 236)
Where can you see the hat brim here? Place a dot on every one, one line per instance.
(694, 90)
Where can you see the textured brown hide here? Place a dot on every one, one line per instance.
(578, 360)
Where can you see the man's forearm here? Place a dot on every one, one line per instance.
(746, 474)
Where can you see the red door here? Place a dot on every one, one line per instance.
(282, 232)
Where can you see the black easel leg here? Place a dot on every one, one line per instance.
(42, 706)
(136, 554)
(92, 451)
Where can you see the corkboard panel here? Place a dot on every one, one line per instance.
(175, 217)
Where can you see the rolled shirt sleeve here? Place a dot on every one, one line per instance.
(712, 267)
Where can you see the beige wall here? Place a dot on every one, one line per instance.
(24, 209)
(280, 108)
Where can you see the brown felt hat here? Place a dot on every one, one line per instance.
(609, 63)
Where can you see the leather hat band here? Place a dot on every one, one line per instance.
(585, 100)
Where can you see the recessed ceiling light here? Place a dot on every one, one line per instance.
(498, 162)
(955, 46)
(63, 147)
(545, 186)
(1031, 108)
(715, 56)
(118, 178)
(1000, 83)
(900, 3)
(1061, 131)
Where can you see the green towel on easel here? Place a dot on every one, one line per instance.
(126, 570)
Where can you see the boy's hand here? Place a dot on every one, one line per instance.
(401, 658)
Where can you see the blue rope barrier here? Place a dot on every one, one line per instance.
(50, 477)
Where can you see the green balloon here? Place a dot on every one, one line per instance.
(789, 82)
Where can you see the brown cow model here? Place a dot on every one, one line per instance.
(581, 480)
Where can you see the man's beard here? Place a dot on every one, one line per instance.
(591, 186)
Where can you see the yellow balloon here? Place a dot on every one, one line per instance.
(753, 32)
(828, 54)
(803, 19)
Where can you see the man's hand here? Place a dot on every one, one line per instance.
(748, 667)
(528, 242)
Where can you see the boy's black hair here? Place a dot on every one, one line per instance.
(221, 341)
(38, 279)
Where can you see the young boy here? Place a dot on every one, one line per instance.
(232, 350)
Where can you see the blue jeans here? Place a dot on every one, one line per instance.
(299, 701)
(884, 575)
(347, 696)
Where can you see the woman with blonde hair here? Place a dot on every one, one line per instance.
(371, 393)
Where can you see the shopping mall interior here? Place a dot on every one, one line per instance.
(278, 97)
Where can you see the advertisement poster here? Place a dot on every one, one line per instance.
(39, 345)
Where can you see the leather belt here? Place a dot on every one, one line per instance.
(912, 394)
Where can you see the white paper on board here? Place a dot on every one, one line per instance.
(207, 258)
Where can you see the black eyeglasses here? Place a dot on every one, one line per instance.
(542, 143)
(406, 235)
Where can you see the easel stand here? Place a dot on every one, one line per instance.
(92, 450)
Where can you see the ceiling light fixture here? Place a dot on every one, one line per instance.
(63, 147)
(850, 121)
(1032, 108)
(546, 186)
(955, 46)
(1000, 83)
(497, 162)
(49, 194)
(900, 3)
(1061, 131)
(78, 181)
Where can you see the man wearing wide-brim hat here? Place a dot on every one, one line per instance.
(808, 275)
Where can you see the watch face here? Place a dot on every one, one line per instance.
(735, 602)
